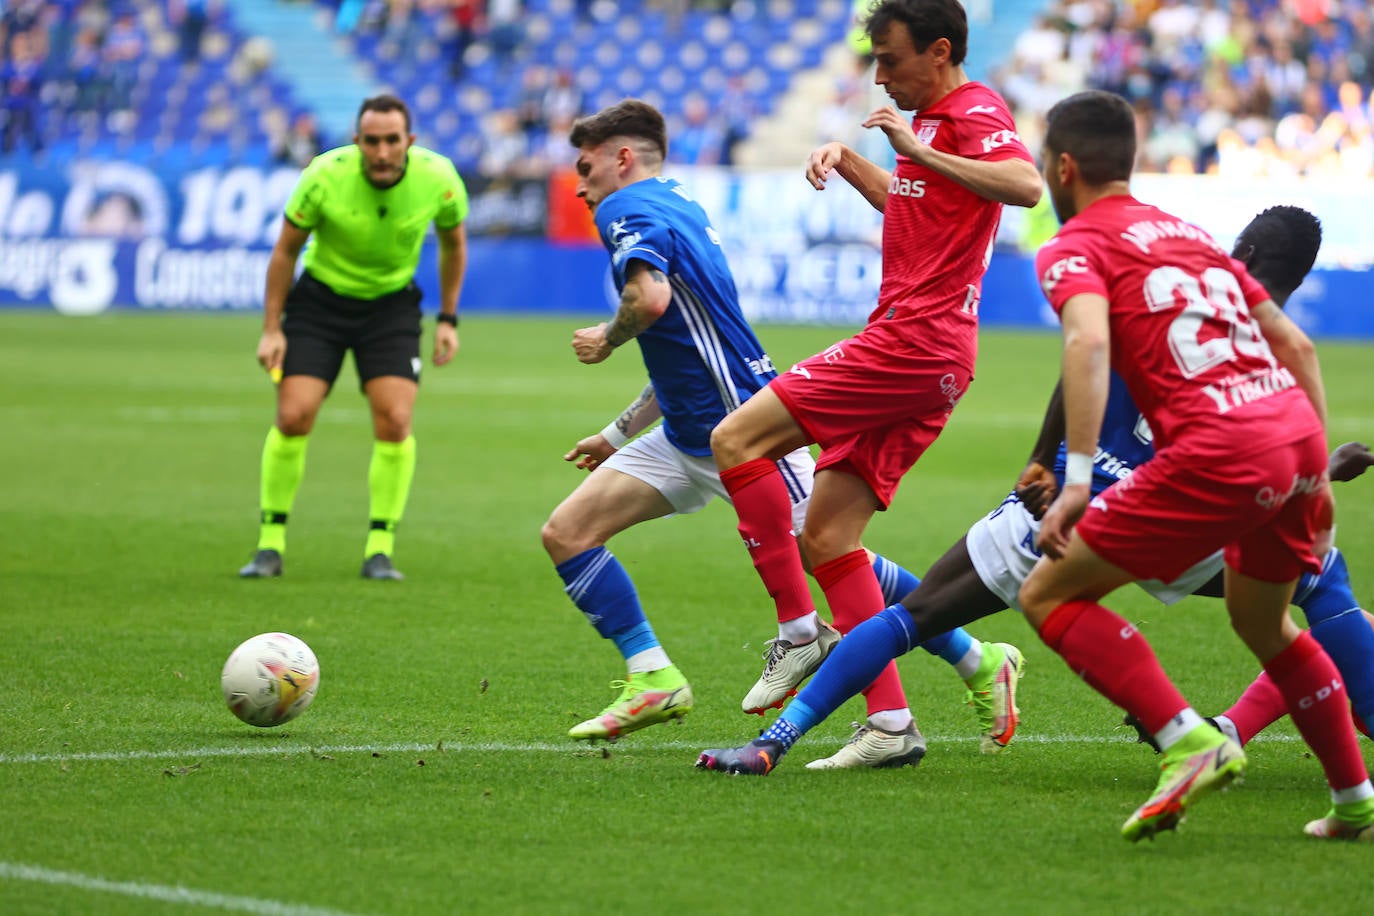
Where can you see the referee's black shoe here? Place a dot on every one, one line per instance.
(266, 564)
(378, 566)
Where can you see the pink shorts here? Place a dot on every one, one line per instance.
(1267, 511)
(874, 403)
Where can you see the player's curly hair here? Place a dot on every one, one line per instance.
(927, 21)
(1097, 129)
(1279, 247)
(629, 118)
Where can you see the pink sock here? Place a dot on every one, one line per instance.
(1317, 701)
(1115, 660)
(765, 522)
(1260, 706)
(854, 595)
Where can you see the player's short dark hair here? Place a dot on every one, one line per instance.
(1097, 129)
(384, 102)
(926, 20)
(1280, 247)
(627, 118)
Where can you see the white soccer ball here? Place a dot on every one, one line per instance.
(270, 679)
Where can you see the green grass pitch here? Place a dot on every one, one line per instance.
(433, 774)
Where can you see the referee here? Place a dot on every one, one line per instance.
(368, 206)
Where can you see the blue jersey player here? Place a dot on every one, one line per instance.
(982, 573)
(677, 298)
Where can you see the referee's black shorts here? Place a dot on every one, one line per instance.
(321, 326)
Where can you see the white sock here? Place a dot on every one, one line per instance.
(890, 720)
(800, 630)
(1177, 727)
(968, 665)
(1352, 794)
(1228, 728)
(648, 660)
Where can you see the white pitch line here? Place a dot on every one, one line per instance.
(18, 871)
(500, 747)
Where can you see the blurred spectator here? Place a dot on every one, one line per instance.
(505, 150)
(301, 142)
(89, 78)
(1171, 135)
(124, 48)
(505, 31)
(190, 18)
(699, 139)
(22, 78)
(562, 99)
(467, 21)
(737, 115)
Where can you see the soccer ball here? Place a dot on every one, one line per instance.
(270, 679)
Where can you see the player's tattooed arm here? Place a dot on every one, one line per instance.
(639, 415)
(644, 298)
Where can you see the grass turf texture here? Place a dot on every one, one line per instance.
(432, 773)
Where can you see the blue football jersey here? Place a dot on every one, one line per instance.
(702, 355)
(1124, 444)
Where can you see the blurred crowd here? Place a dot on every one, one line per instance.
(1244, 88)
(1241, 88)
(76, 59)
(160, 70)
(528, 136)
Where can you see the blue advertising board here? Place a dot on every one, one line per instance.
(108, 234)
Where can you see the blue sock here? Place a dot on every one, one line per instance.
(783, 732)
(1339, 624)
(852, 665)
(898, 582)
(895, 581)
(602, 590)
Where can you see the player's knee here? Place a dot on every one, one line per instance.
(391, 425)
(1036, 602)
(819, 545)
(564, 541)
(725, 443)
(295, 419)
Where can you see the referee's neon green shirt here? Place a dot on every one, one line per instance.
(365, 241)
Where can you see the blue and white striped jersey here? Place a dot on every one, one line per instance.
(702, 355)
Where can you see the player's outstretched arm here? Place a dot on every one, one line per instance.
(281, 271)
(1350, 460)
(868, 178)
(633, 420)
(453, 262)
(1015, 182)
(1294, 350)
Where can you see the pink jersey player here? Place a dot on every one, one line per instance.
(876, 401)
(1232, 390)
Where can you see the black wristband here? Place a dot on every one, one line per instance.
(445, 318)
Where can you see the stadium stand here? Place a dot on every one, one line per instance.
(1234, 87)
(1249, 88)
(139, 79)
